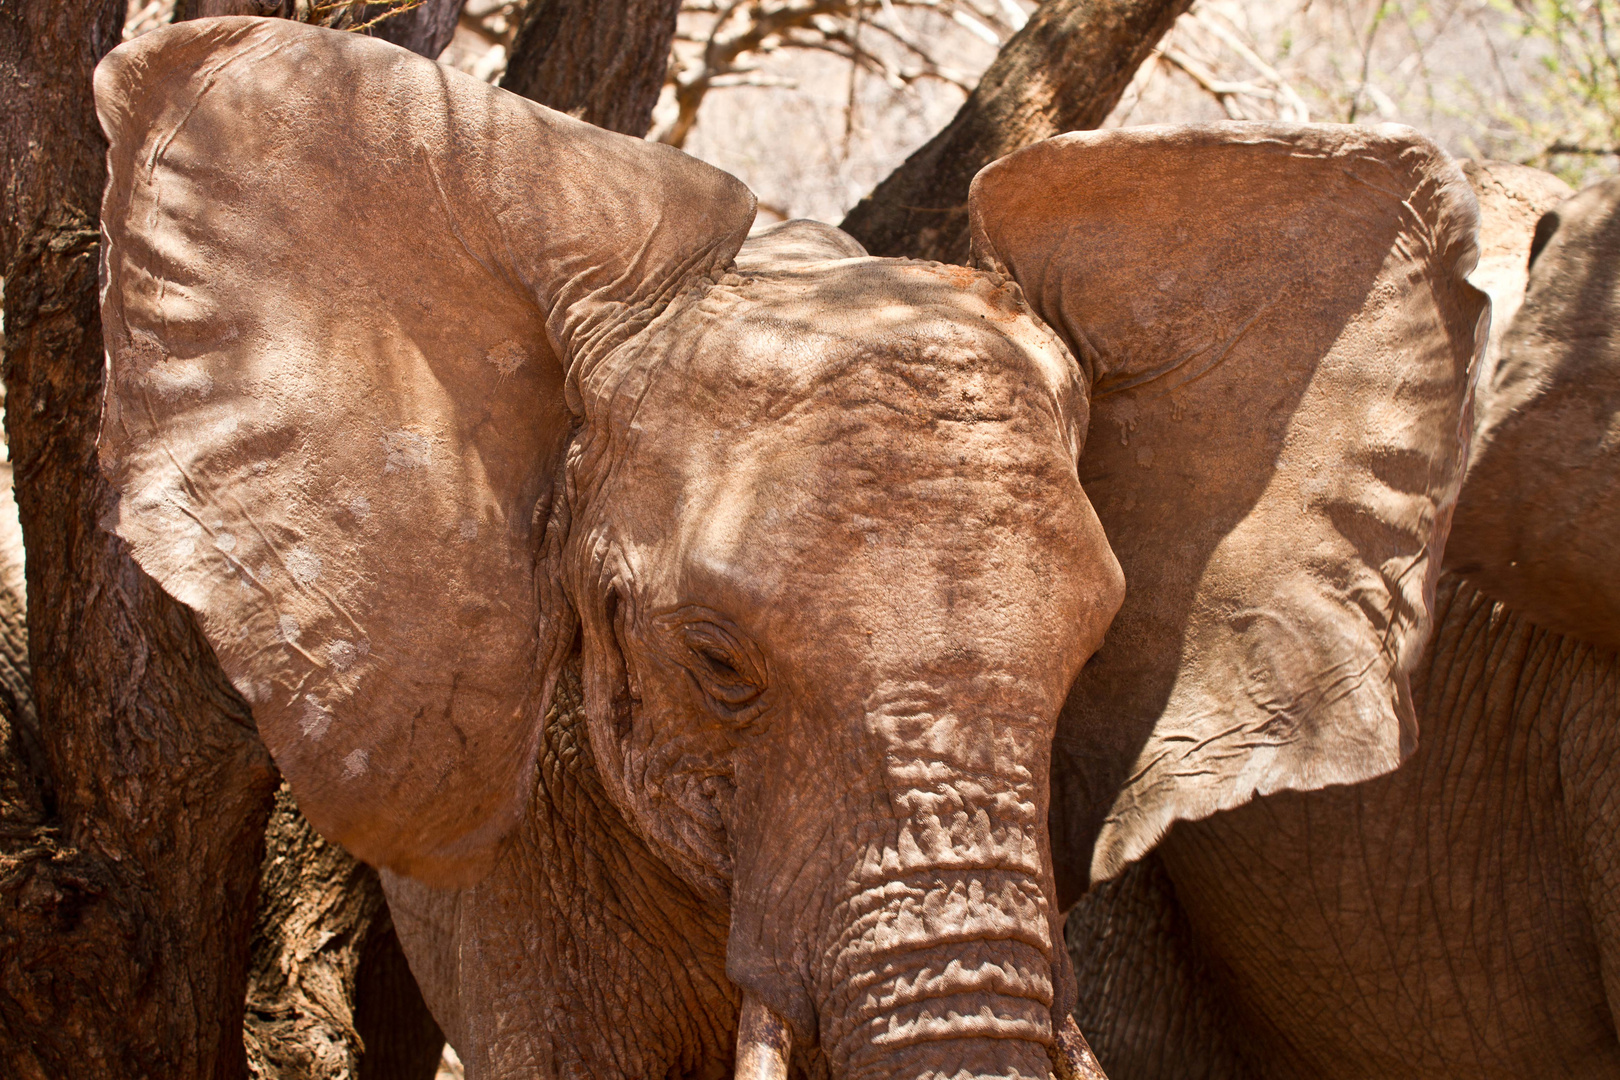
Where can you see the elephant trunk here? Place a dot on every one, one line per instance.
(937, 950)
(960, 1009)
(934, 1013)
(941, 959)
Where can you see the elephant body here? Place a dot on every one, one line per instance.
(1457, 917)
(1454, 918)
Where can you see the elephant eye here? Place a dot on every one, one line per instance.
(728, 672)
(719, 665)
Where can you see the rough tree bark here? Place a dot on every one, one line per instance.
(330, 995)
(128, 858)
(600, 60)
(1064, 71)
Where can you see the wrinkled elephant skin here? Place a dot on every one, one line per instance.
(1459, 916)
(685, 624)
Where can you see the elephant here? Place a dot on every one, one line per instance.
(1457, 917)
(682, 619)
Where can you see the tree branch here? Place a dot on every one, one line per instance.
(603, 61)
(1065, 70)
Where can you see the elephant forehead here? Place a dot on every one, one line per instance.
(922, 342)
(910, 376)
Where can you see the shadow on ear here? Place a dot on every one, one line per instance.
(346, 290)
(1538, 524)
(1280, 341)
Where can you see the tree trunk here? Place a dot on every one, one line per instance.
(600, 60)
(426, 28)
(330, 997)
(128, 863)
(1064, 71)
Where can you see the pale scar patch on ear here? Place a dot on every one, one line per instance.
(289, 629)
(469, 528)
(225, 542)
(360, 507)
(315, 720)
(155, 500)
(404, 450)
(180, 379)
(186, 546)
(304, 565)
(507, 357)
(356, 763)
(343, 654)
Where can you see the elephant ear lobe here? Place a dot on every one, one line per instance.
(1538, 524)
(345, 290)
(1279, 339)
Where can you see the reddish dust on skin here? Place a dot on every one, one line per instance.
(992, 291)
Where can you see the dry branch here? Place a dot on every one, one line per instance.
(736, 32)
(600, 60)
(1065, 70)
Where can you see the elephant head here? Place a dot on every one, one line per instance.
(420, 393)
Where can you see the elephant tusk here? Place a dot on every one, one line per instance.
(764, 1042)
(1072, 1058)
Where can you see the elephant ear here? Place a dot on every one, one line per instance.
(345, 293)
(1512, 199)
(1538, 524)
(1279, 339)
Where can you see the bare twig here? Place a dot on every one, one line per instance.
(1224, 92)
(1296, 109)
(717, 36)
(1584, 151)
(1366, 57)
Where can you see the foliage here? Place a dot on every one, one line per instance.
(1578, 80)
